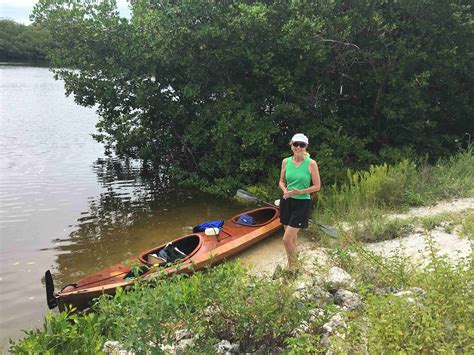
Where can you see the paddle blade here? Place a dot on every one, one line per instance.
(330, 230)
(245, 195)
(50, 297)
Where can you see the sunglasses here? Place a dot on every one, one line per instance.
(299, 144)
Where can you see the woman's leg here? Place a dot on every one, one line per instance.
(289, 240)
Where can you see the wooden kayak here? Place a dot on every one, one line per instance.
(191, 253)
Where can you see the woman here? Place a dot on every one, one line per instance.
(299, 178)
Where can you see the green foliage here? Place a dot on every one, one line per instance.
(434, 322)
(449, 221)
(377, 229)
(223, 303)
(371, 270)
(261, 314)
(24, 43)
(380, 186)
(303, 344)
(63, 333)
(448, 178)
(217, 88)
(431, 222)
(468, 225)
(365, 196)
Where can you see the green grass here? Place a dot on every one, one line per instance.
(468, 226)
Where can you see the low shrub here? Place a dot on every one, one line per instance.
(449, 178)
(63, 333)
(437, 321)
(259, 315)
(468, 225)
(379, 187)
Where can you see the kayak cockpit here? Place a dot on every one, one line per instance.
(177, 250)
(260, 216)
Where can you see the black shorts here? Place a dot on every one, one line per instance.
(294, 212)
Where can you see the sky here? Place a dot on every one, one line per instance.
(20, 10)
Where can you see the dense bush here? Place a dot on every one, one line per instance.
(216, 88)
(63, 333)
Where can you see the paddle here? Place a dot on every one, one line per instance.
(245, 195)
(50, 297)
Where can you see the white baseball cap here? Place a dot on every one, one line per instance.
(300, 137)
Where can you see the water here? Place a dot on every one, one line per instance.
(67, 207)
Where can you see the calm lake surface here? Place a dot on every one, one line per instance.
(67, 207)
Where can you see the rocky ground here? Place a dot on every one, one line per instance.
(332, 284)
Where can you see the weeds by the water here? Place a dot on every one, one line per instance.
(224, 303)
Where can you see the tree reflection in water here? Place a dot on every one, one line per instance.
(135, 211)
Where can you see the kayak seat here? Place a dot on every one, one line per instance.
(155, 259)
(171, 253)
(257, 217)
(179, 249)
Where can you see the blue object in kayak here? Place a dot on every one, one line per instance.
(246, 219)
(214, 224)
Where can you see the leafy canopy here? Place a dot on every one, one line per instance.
(215, 89)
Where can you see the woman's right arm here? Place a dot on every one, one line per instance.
(282, 182)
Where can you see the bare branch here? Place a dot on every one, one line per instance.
(338, 42)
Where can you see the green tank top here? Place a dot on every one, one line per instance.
(298, 177)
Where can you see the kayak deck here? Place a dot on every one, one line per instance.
(194, 252)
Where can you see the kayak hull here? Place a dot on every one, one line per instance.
(198, 251)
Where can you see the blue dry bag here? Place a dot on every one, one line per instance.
(214, 224)
(246, 219)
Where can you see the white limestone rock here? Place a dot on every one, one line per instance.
(336, 322)
(337, 278)
(182, 334)
(225, 346)
(411, 294)
(348, 300)
(332, 333)
(115, 348)
(183, 345)
(319, 296)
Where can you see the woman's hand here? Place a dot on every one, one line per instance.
(292, 193)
